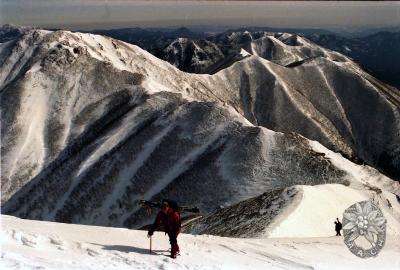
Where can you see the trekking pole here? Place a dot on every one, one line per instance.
(150, 242)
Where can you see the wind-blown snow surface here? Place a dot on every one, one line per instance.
(30, 244)
(90, 124)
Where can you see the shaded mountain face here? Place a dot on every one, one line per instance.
(195, 56)
(378, 53)
(90, 124)
(11, 32)
(248, 218)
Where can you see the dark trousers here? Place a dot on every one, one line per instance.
(174, 243)
(172, 238)
(338, 233)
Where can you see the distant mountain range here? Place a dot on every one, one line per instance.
(376, 52)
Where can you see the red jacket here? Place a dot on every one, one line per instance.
(171, 221)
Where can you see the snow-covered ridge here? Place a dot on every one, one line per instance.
(120, 55)
(220, 51)
(281, 48)
(30, 244)
(286, 49)
(297, 211)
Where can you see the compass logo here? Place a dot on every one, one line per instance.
(364, 229)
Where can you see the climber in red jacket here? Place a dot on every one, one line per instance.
(170, 219)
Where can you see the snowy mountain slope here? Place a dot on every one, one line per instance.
(117, 124)
(318, 82)
(305, 211)
(335, 103)
(298, 211)
(166, 148)
(56, 84)
(30, 244)
(316, 92)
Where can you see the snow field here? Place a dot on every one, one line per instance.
(312, 214)
(28, 244)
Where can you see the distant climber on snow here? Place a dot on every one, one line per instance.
(169, 219)
(338, 227)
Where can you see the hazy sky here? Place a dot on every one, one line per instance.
(90, 14)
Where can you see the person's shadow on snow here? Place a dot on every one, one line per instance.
(128, 249)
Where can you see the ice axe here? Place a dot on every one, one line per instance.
(150, 204)
(151, 242)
